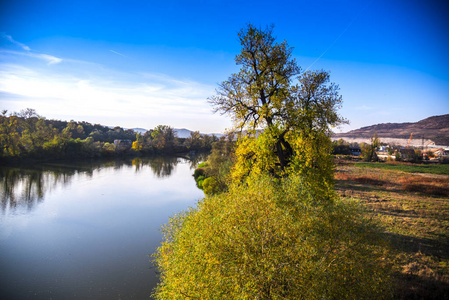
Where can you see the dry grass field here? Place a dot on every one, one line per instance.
(414, 210)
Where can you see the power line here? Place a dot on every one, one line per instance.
(341, 34)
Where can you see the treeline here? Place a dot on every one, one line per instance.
(368, 151)
(27, 135)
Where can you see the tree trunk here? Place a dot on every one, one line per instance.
(284, 152)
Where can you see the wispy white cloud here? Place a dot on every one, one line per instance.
(49, 59)
(118, 53)
(91, 92)
(9, 38)
(118, 98)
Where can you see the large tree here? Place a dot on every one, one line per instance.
(256, 96)
(268, 94)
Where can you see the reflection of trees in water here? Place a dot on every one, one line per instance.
(197, 158)
(163, 166)
(194, 158)
(25, 187)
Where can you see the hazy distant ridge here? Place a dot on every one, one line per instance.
(435, 128)
(181, 133)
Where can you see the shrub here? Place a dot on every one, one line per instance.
(271, 239)
(203, 164)
(397, 156)
(211, 186)
(198, 172)
(199, 181)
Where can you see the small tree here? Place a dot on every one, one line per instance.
(369, 150)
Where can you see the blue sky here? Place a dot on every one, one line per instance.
(144, 63)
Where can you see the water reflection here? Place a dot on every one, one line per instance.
(85, 230)
(26, 187)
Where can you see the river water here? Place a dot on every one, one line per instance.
(87, 230)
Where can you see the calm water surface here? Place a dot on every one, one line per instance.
(86, 230)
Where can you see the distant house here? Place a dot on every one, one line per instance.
(123, 144)
(355, 150)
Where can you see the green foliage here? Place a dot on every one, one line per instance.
(211, 186)
(341, 147)
(163, 137)
(28, 135)
(199, 175)
(390, 150)
(313, 162)
(412, 155)
(203, 164)
(272, 239)
(199, 181)
(217, 166)
(198, 172)
(369, 150)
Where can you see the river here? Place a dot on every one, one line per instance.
(86, 230)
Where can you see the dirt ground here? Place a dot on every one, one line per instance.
(414, 210)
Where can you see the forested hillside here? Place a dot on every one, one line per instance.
(27, 135)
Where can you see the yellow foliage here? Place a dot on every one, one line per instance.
(311, 159)
(255, 156)
(137, 146)
(271, 239)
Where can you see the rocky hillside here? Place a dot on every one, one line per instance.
(435, 128)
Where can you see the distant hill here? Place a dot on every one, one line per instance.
(185, 133)
(139, 130)
(434, 128)
(181, 133)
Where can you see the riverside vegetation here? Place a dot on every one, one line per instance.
(272, 225)
(26, 135)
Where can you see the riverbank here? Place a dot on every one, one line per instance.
(28, 161)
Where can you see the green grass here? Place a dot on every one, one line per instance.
(442, 169)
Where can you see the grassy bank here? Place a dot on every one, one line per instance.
(412, 202)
